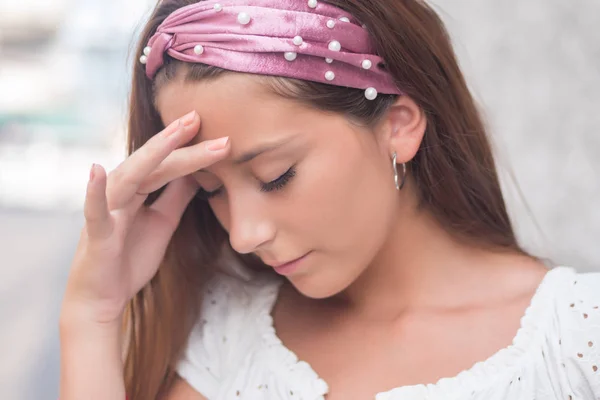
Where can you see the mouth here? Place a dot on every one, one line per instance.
(286, 268)
(281, 264)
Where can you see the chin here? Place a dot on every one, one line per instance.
(316, 286)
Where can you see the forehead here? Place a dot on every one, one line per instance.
(230, 104)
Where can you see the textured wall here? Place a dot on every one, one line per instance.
(534, 66)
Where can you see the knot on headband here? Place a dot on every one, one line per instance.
(299, 39)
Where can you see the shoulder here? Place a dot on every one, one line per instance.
(226, 328)
(181, 390)
(230, 301)
(577, 319)
(577, 299)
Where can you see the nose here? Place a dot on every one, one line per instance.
(250, 225)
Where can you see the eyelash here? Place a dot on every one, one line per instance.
(274, 185)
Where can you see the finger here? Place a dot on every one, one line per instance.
(95, 210)
(123, 182)
(186, 161)
(174, 200)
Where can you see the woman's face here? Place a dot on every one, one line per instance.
(299, 182)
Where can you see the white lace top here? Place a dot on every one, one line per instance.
(234, 352)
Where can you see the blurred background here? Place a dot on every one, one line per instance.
(64, 68)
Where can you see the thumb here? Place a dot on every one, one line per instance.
(174, 200)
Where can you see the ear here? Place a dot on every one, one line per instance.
(402, 129)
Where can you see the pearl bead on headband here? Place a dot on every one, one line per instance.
(301, 39)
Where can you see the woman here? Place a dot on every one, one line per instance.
(318, 216)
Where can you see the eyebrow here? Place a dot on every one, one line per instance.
(258, 150)
(264, 148)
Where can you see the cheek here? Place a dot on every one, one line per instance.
(347, 217)
(344, 198)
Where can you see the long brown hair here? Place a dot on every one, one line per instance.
(454, 172)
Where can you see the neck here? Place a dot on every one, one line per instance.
(422, 266)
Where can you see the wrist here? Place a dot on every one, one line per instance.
(91, 363)
(101, 314)
(72, 324)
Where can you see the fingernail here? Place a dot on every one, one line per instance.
(92, 172)
(217, 144)
(188, 118)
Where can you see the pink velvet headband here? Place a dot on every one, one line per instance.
(302, 39)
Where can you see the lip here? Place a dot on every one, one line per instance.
(290, 266)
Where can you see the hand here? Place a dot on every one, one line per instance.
(123, 242)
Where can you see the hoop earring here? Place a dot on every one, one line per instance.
(399, 185)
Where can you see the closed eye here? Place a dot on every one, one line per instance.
(280, 182)
(274, 185)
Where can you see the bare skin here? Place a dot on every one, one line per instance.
(120, 249)
(360, 355)
(406, 302)
(384, 298)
